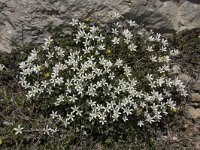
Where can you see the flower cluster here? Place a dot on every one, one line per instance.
(108, 76)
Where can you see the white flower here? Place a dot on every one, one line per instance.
(53, 130)
(163, 49)
(93, 115)
(147, 97)
(158, 37)
(18, 129)
(165, 67)
(132, 47)
(149, 119)
(177, 82)
(54, 115)
(153, 58)
(80, 34)
(117, 90)
(152, 84)
(50, 55)
(143, 104)
(127, 110)
(115, 40)
(66, 122)
(117, 15)
(151, 38)
(164, 42)
(127, 34)
(23, 65)
(94, 29)
(115, 31)
(100, 38)
(22, 80)
(82, 25)
(125, 118)
(171, 103)
(101, 47)
(161, 70)
(117, 25)
(184, 93)
(132, 23)
(111, 76)
(46, 130)
(167, 59)
(45, 84)
(73, 98)
(116, 114)
(87, 36)
(119, 63)
(70, 116)
(59, 80)
(75, 109)
(154, 107)
(127, 71)
(48, 40)
(102, 118)
(174, 52)
(2, 67)
(60, 52)
(140, 123)
(157, 115)
(149, 48)
(149, 77)
(59, 100)
(86, 43)
(88, 49)
(74, 22)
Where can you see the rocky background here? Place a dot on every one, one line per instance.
(25, 21)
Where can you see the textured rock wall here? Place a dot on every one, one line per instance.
(28, 18)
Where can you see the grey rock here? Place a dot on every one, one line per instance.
(195, 97)
(189, 15)
(193, 112)
(196, 85)
(62, 9)
(159, 15)
(56, 22)
(1, 5)
(32, 17)
(185, 78)
(176, 69)
(6, 28)
(12, 4)
(5, 48)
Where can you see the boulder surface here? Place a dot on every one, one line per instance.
(25, 21)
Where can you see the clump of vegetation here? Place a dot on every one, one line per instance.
(112, 86)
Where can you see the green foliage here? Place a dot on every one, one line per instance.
(189, 44)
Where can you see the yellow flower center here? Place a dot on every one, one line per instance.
(108, 51)
(39, 68)
(164, 75)
(46, 75)
(88, 19)
(162, 58)
(185, 125)
(174, 110)
(1, 141)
